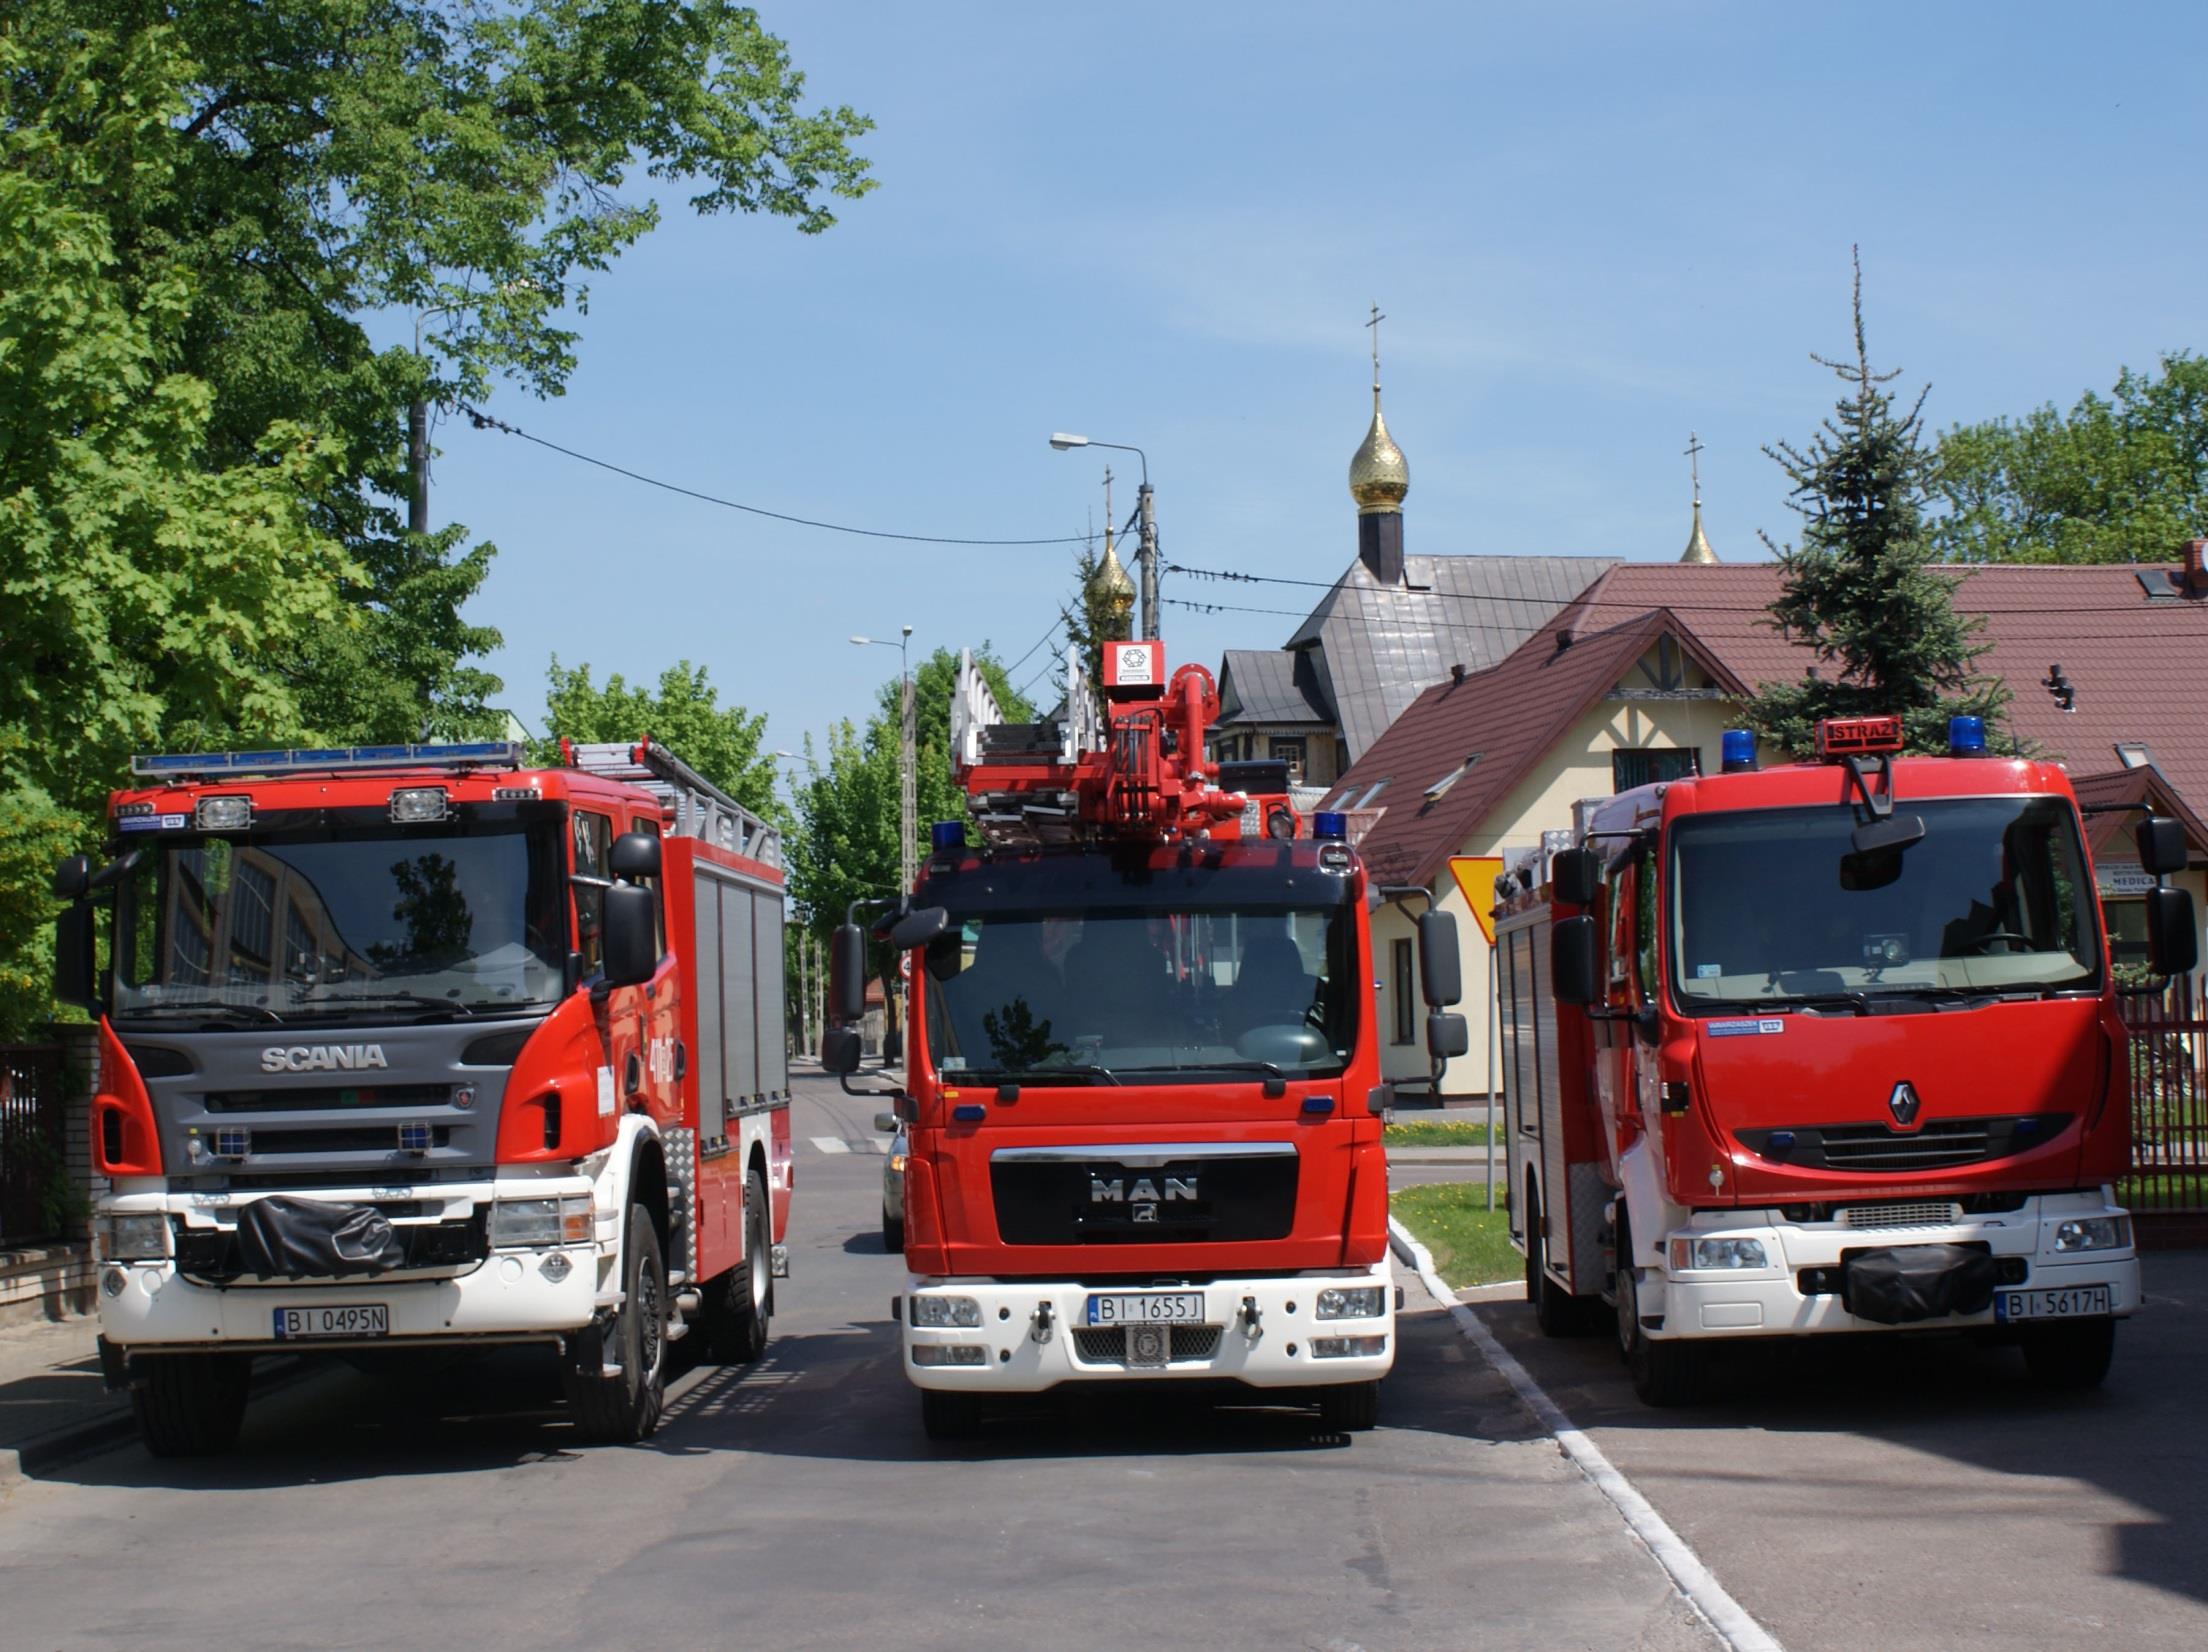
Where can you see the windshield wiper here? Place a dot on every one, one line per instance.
(1028, 1075)
(1236, 1066)
(1782, 1001)
(452, 1007)
(251, 1014)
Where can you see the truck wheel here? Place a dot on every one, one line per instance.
(189, 1405)
(2070, 1356)
(751, 1287)
(1350, 1407)
(1663, 1373)
(624, 1408)
(949, 1416)
(1557, 1311)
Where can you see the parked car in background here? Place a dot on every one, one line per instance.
(893, 1183)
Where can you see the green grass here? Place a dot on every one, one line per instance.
(1435, 1133)
(1471, 1244)
(2179, 1190)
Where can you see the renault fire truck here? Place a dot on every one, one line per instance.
(1825, 1048)
(1142, 1088)
(421, 1049)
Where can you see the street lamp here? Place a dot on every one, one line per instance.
(1146, 554)
(907, 806)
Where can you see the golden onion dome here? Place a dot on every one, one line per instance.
(1698, 542)
(1110, 583)
(1379, 477)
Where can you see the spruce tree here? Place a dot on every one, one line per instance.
(1860, 588)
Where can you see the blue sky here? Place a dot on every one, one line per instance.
(1592, 227)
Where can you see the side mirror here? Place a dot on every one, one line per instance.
(2173, 941)
(2161, 843)
(631, 935)
(73, 878)
(918, 928)
(886, 1123)
(635, 855)
(847, 977)
(1447, 1035)
(1575, 877)
(76, 977)
(840, 1051)
(1441, 979)
(1573, 974)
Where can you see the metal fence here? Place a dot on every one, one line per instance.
(34, 1171)
(2169, 1103)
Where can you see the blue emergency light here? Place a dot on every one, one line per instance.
(1966, 737)
(948, 834)
(1330, 826)
(1737, 753)
(463, 754)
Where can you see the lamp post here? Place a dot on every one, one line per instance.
(1146, 553)
(907, 807)
(809, 984)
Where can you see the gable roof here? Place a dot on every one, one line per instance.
(2116, 789)
(1381, 644)
(1269, 685)
(1511, 715)
(2135, 658)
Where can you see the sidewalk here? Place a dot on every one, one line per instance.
(52, 1402)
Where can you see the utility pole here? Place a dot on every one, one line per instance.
(1146, 553)
(417, 434)
(907, 802)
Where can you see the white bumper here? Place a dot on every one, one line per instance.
(1769, 1301)
(1258, 1332)
(513, 1294)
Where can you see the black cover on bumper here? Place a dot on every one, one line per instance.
(1913, 1282)
(281, 1238)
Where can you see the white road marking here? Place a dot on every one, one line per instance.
(1694, 1580)
(831, 1144)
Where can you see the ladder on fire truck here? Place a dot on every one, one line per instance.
(700, 808)
(1022, 816)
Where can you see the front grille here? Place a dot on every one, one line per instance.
(1900, 1214)
(329, 1097)
(1110, 1344)
(215, 1254)
(368, 1138)
(1190, 1201)
(1941, 1144)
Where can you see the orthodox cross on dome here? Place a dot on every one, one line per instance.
(1694, 463)
(1374, 324)
(1698, 543)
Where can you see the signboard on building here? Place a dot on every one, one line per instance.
(2122, 877)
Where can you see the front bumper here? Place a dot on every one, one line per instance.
(514, 1294)
(1257, 1332)
(1771, 1301)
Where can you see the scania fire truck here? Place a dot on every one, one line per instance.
(1829, 1047)
(421, 1049)
(1142, 1088)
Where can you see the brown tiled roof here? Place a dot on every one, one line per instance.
(1510, 715)
(2139, 664)
(2119, 787)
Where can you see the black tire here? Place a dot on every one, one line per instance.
(893, 1233)
(1350, 1407)
(189, 1405)
(623, 1409)
(949, 1416)
(751, 1285)
(1664, 1373)
(2072, 1356)
(1556, 1310)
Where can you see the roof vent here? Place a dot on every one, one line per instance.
(1456, 672)
(1563, 641)
(2195, 580)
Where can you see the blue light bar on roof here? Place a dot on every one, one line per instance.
(461, 755)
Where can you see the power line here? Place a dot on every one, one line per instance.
(1050, 632)
(483, 421)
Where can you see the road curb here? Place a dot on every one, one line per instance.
(104, 1430)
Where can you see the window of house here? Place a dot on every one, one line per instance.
(1341, 756)
(1645, 765)
(1440, 788)
(1405, 990)
(1291, 753)
(2127, 932)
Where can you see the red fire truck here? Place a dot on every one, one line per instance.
(1831, 1047)
(421, 1049)
(1142, 1086)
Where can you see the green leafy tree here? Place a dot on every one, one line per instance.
(1859, 589)
(2121, 479)
(684, 714)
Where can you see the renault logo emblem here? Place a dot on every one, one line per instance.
(1904, 1104)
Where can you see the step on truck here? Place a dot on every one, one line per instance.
(1821, 1049)
(1142, 1092)
(415, 1050)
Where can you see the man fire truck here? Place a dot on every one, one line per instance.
(1831, 1047)
(417, 1048)
(1142, 1083)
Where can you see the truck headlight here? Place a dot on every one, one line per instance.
(1688, 1254)
(1356, 1302)
(562, 1221)
(945, 1312)
(2093, 1233)
(133, 1238)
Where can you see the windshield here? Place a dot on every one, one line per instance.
(1773, 906)
(452, 918)
(1093, 996)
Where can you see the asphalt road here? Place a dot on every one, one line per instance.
(797, 1504)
